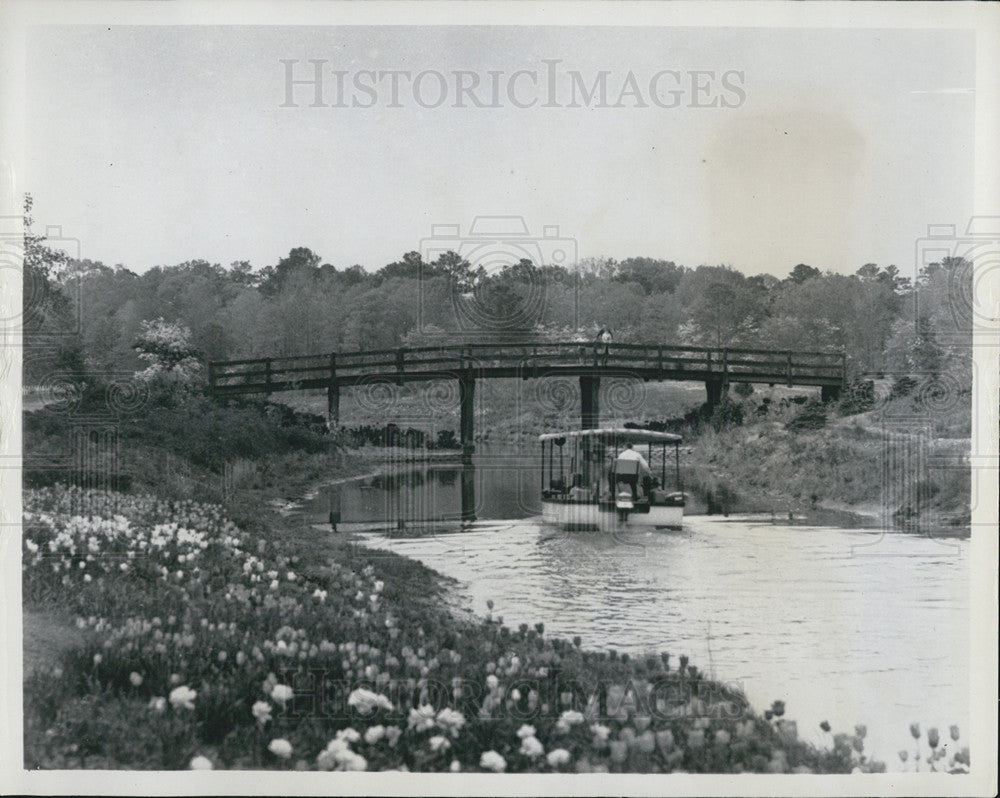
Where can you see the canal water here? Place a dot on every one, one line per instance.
(848, 625)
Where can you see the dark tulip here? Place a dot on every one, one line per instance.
(768, 714)
(915, 730)
(954, 733)
(779, 708)
(825, 726)
(932, 738)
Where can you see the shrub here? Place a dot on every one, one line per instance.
(726, 414)
(811, 417)
(859, 397)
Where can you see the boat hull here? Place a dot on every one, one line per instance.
(605, 516)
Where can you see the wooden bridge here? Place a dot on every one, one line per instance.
(466, 363)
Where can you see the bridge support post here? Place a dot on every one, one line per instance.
(333, 396)
(468, 493)
(333, 405)
(829, 393)
(590, 411)
(467, 396)
(714, 389)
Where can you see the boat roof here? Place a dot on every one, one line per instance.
(623, 434)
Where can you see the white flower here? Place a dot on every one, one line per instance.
(568, 718)
(491, 760)
(348, 735)
(353, 761)
(439, 743)
(135, 678)
(262, 712)
(455, 766)
(526, 731)
(290, 576)
(338, 754)
(365, 701)
(600, 731)
(201, 763)
(557, 757)
(274, 584)
(182, 697)
(280, 748)
(379, 585)
(492, 681)
(282, 693)
(530, 746)
(374, 733)
(421, 719)
(451, 720)
(158, 704)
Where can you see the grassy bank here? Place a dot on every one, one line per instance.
(201, 642)
(808, 458)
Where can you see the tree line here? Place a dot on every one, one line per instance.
(86, 316)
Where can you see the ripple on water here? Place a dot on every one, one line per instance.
(853, 626)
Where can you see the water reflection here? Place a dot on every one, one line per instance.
(411, 493)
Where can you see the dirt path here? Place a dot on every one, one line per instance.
(47, 634)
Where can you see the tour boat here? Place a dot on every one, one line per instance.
(611, 478)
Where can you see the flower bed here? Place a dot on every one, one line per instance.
(209, 647)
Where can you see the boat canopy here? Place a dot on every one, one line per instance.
(622, 434)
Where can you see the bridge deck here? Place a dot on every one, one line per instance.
(526, 360)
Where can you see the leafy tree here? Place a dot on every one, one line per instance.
(300, 259)
(411, 266)
(48, 337)
(723, 309)
(803, 272)
(655, 276)
(173, 363)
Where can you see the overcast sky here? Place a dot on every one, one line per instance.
(829, 147)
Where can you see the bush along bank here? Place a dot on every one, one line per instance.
(208, 646)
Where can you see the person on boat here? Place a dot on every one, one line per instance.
(630, 466)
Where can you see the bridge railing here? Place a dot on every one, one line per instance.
(263, 375)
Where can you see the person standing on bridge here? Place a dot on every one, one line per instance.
(603, 339)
